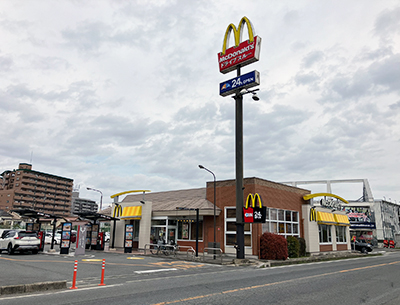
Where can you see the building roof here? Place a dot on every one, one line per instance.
(170, 200)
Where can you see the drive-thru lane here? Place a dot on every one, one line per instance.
(21, 269)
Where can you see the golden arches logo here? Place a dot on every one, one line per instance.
(117, 211)
(253, 200)
(313, 214)
(237, 32)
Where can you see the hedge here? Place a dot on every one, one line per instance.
(273, 247)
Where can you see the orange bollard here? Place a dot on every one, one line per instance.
(103, 267)
(74, 278)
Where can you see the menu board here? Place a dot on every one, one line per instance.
(128, 238)
(65, 237)
(95, 232)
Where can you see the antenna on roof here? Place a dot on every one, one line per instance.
(31, 158)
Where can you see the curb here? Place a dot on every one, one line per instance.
(27, 288)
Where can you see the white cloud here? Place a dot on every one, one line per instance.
(124, 95)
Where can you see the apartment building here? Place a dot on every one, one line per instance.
(82, 205)
(26, 188)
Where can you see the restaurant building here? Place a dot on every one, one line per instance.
(171, 216)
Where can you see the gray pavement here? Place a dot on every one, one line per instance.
(16, 281)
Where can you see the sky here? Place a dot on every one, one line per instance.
(124, 95)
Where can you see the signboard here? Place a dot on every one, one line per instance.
(236, 84)
(88, 235)
(128, 240)
(65, 237)
(95, 234)
(254, 212)
(81, 240)
(243, 52)
(361, 217)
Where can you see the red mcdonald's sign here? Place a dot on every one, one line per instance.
(243, 52)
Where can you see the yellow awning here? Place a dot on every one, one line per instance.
(132, 212)
(323, 217)
(342, 219)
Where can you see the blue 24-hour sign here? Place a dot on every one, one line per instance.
(244, 81)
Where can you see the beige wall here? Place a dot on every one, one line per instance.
(144, 225)
(311, 234)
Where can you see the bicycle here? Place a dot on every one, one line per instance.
(166, 249)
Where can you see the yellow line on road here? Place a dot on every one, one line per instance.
(272, 284)
(92, 260)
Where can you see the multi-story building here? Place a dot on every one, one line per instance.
(81, 205)
(26, 188)
(372, 220)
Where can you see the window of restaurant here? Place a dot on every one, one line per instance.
(325, 234)
(230, 229)
(163, 230)
(341, 234)
(136, 225)
(187, 230)
(282, 222)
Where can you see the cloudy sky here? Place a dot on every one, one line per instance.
(124, 95)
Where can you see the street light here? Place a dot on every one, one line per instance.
(215, 205)
(101, 198)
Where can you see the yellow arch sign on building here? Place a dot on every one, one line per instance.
(128, 192)
(309, 196)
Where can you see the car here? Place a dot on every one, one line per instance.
(19, 240)
(361, 246)
(48, 238)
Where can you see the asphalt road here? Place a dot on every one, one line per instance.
(154, 280)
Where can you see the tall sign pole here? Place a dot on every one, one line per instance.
(242, 54)
(239, 173)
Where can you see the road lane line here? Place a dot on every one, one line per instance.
(273, 284)
(155, 270)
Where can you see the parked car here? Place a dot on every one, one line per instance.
(48, 237)
(19, 240)
(361, 246)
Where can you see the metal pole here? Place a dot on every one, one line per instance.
(239, 174)
(54, 233)
(215, 219)
(197, 232)
(115, 222)
(215, 206)
(101, 196)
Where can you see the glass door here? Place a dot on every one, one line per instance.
(172, 235)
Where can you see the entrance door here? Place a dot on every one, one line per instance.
(172, 235)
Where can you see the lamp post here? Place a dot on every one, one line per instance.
(215, 204)
(101, 197)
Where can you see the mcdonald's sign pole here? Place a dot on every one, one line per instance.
(241, 54)
(239, 173)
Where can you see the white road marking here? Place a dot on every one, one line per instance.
(155, 270)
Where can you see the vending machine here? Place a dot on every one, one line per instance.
(100, 241)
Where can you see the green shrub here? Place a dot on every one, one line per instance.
(293, 246)
(273, 247)
(302, 243)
